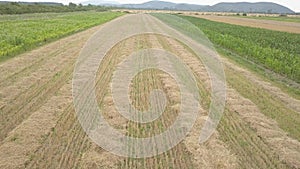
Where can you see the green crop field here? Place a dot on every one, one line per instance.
(276, 51)
(20, 33)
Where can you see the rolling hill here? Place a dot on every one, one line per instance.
(101, 2)
(259, 7)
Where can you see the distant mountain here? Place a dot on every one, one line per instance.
(164, 5)
(260, 7)
(100, 2)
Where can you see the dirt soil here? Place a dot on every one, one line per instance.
(39, 128)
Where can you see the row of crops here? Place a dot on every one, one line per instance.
(20, 33)
(276, 51)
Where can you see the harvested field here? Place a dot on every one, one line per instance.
(39, 127)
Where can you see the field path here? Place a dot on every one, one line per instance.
(291, 27)
(39, 128)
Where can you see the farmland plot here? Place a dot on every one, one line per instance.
(276, 51)
(271, 23)
(40, 129)
(21, 33)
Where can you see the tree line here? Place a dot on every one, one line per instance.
(23, 8)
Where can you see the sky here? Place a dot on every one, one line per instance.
(292, 4)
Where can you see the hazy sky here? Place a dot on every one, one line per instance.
(292, 4)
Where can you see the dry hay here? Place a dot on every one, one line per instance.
(276, 92)
(287, 148)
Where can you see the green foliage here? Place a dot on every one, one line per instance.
(72, 5)
(22, 32)
(276, 51)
